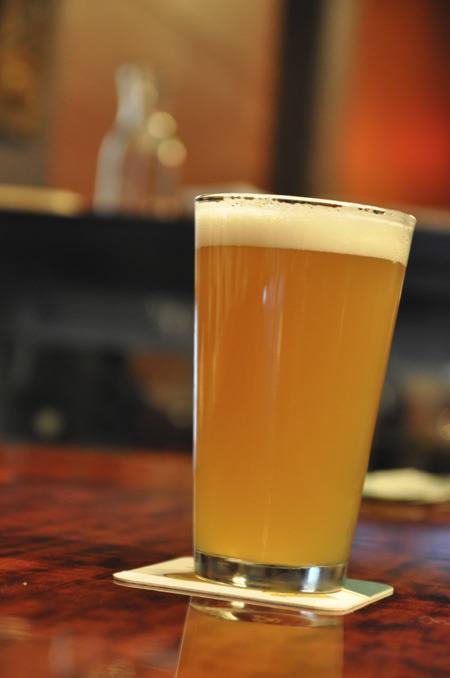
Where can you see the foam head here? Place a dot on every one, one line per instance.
(302, 223)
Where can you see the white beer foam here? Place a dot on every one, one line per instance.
(280, 221)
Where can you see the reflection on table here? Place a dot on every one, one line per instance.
(235, 638)
(70, 652)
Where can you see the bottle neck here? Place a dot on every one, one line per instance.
(136, 96)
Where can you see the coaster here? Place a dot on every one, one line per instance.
(177, 576)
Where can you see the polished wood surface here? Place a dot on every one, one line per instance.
(70, 518)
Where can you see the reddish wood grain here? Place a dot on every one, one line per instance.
(70, 518)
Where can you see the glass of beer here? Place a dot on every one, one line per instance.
(296, 301)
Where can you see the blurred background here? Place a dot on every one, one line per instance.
(114, 115)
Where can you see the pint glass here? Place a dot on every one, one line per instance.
(296, 301)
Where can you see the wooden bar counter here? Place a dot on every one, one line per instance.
(70, 518)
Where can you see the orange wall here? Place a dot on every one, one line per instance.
(396, 135)
(220, 56)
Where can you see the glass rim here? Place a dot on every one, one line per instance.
(392, 214)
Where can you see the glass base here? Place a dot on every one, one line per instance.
(310, 579)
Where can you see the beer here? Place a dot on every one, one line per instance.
(296, 305)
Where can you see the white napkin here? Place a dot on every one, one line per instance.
(407, 484)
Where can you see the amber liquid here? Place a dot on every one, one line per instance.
(291, 354)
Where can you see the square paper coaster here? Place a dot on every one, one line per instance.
(177, 576)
